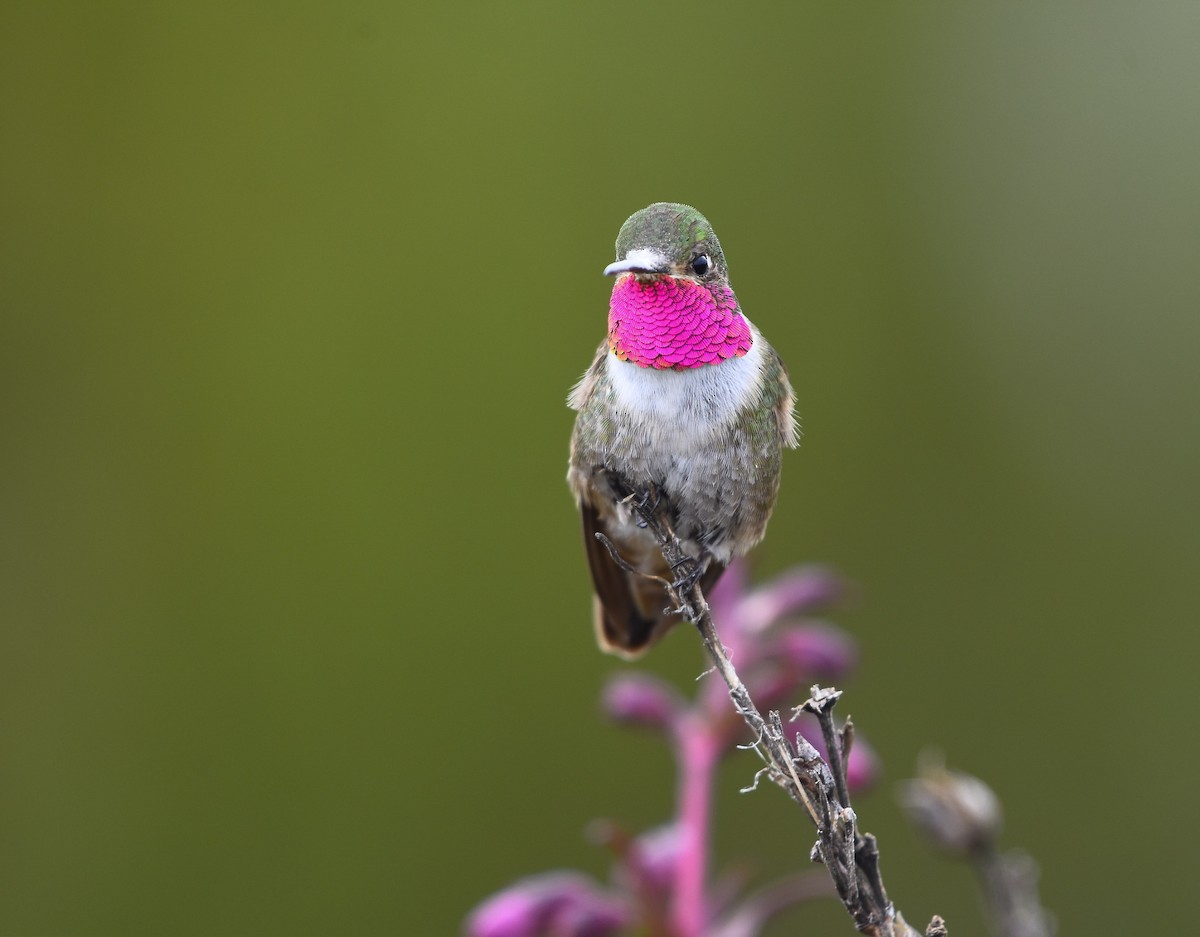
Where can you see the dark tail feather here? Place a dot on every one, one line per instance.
(630, 610)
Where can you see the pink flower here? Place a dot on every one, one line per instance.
(557, 904)
(661, 879)
(817, 649)
(655, 855)
(640, 699)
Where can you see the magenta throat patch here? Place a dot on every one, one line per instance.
(671, 322)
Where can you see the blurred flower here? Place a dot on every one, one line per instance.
(819, 650)
(557, 904)
(958, 812)
(660, 880)
(796, 592)
(654, 856)
(596, 918)
(862, 767)
(635, 698)
(779, 664)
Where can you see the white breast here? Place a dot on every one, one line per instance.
(683, 408)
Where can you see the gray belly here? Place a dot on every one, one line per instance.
(722, 481)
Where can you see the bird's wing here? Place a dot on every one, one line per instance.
(624, 623)
(783, 403)
(578, 397)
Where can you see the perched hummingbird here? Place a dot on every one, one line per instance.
(685, 396)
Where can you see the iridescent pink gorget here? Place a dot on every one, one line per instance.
(675, 323)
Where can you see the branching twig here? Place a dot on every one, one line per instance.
(851, 858)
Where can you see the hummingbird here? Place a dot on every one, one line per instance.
(685, 398)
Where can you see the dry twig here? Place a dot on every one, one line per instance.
(851, 857)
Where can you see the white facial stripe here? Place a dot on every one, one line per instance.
(640, 258)
(646, 257)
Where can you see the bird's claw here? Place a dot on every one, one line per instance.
(687, 574)
(647, 504)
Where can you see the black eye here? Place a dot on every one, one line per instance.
(700, 265)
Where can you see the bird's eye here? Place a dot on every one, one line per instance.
(700, 264)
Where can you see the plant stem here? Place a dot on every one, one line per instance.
(851, 859)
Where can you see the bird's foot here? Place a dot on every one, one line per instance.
(646, 501)
(687, 573)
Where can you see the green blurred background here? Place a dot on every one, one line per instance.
(295, 632)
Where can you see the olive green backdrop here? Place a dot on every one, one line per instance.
(295, 632)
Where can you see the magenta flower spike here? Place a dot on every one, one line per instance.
(797, 592)
(729, 592)
(654, 857)
(640, 699)
(862, 767)
(817, 649)
(557, 904)
(663, 885)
